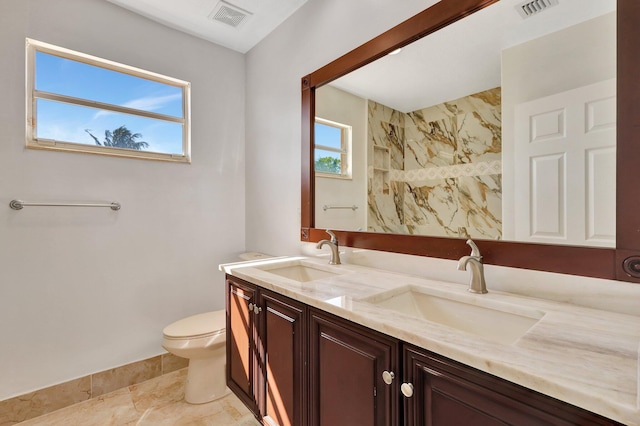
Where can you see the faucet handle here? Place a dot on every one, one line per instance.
(475, 251)
(334, 239)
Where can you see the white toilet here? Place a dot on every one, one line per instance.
(201, 339)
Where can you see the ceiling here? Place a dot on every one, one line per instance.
(193, 17)
(421, 75)
(462, 58)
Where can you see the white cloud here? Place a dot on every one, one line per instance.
(148, 103)
(152, 103)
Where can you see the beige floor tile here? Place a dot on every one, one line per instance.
(223, 418)
(181, 411)
(216, 413)
(159, 391)
(156, 402)
(113, 409)
(234, 408)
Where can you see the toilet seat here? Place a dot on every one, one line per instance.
(196, 326)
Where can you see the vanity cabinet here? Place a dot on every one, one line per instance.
(347, 367)
(241, 341)
(444, 392)
(292, 364)
(266, 353)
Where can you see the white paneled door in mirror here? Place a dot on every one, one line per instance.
(565, 155)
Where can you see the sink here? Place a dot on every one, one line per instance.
(300, 272)
(502, 324)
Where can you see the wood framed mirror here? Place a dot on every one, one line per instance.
(621, 262)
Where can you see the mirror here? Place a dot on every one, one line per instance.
(487, 141)
(621, 262)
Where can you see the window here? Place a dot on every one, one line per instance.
(77, 102)
(332, 156)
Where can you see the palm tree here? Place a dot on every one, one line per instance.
(120, 138)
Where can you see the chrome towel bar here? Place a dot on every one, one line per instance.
(326, 207)
(18, 205)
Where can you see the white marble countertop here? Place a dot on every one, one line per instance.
(586, 357)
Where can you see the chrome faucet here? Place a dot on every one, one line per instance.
(477, 283)
(333, 244)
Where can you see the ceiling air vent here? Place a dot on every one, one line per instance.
(229, 14)
(533, 7)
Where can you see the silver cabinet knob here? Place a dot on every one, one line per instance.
(407, 389)
(251, 306)
(256, 309)
(387, 376)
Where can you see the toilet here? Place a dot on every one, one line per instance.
(201, 339)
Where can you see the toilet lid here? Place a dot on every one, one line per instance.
(197, 325)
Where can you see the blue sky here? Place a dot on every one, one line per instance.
(328, 136)
(68, 122)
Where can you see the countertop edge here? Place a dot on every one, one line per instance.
(580, 397)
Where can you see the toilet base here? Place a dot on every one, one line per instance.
(205, 380)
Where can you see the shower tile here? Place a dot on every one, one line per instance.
(445, 168)
(433, 145)
(480, 198)
(126, 375)
(432, 205)
(479, 136)
(43, 401)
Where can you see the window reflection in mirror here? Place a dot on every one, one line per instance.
(331, 151)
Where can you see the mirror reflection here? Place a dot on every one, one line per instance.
(500, 126)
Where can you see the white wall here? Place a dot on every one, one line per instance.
(337, 105)
(84, 290)
(319, 32)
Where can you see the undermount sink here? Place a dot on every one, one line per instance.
(500, 324)
(300, 272)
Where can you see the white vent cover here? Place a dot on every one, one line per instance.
(533, 7)
(229, 14)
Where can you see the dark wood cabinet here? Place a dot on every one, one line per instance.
(296, 365)
(283, 329)
(447, 393)
(266, 353)
(242, 351)
(346, 365)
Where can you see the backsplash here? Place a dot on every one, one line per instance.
(437, 171)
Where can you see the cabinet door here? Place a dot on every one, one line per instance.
(282, 331)
(448, 393)
(346, 365)
(241, 348)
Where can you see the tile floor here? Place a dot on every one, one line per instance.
(156, 402)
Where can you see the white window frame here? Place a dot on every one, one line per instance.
(345, 151)
(33, 142)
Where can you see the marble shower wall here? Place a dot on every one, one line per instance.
(442, 176)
